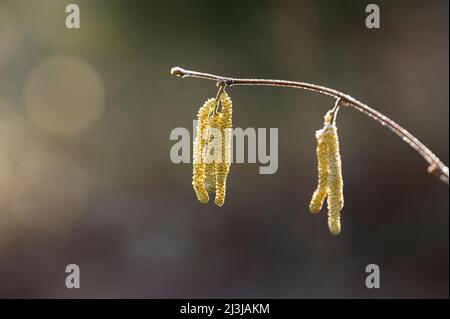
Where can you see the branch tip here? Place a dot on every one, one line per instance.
(177, 71)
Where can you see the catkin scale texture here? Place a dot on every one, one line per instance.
(210, 178)
(199, 151)
(210, 172)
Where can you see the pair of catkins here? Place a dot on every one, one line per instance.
(212, 149)
(330, 183)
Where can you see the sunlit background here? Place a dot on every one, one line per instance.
(86, 178)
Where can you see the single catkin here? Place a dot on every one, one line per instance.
(322, 168)
(222, 165)
(199, 151)
(335, 183)
(322, 150)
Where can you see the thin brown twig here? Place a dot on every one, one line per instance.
(436, 167)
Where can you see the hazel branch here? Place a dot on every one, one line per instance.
(436, 166)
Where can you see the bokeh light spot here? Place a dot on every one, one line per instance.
(64, 95)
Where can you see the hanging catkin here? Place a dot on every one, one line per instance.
(322, 169)
(330, 183)
(199, 151)
(322, 150)
(335, 184)
(222, 166)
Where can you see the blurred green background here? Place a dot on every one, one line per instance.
(86, 178)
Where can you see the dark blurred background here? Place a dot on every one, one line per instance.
(86, 178)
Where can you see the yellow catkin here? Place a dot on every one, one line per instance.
(322, 167)
(321, 192)
(335, 183)
(199, 151)
(222, 166)
(330, 183)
